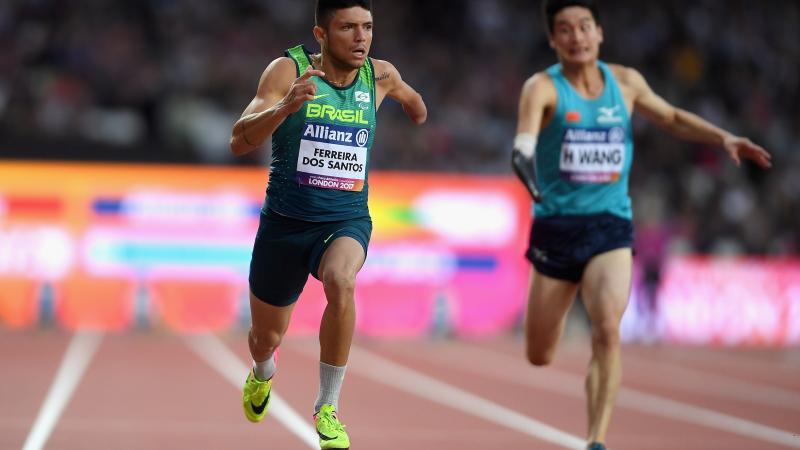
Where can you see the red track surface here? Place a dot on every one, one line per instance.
(152, 391)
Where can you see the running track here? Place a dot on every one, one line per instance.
(156, 390)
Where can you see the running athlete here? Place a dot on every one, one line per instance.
(319, 110)
(573, 151)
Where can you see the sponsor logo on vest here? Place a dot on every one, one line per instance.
(336, 134)
(616, 134)
(327, 133)
(362, 137)
(610, 135)
(607, 115)
(583, 135)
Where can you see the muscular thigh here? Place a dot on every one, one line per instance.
(607, 284)
(549, 300)
(344, 247)
(269, 318)
(345, 256)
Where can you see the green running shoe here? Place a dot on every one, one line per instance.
(255, 397)
(330, 431)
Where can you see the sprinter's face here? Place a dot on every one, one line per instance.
(347, 37)
(576, 37)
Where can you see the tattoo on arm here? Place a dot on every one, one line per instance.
(383, 76)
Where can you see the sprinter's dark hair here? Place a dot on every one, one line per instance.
(326, 9)
(551, 8)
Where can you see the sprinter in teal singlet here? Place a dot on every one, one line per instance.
(320, 111)
(573, 151)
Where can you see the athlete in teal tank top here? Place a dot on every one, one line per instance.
(320, 154)
(320, 111)
(584, 155)
(573, 152)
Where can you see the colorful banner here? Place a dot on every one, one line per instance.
(730, 301)
(116, 246)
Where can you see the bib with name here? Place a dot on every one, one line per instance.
(593, 155)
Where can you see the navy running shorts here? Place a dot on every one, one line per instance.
(562, 246)
(287, 250)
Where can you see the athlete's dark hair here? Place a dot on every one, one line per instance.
(552, 7)
(326, 9)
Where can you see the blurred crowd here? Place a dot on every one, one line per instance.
(164, 80)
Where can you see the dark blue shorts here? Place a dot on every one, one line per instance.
(562, 246)
(286, 250)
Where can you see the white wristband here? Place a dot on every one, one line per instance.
(526, 144)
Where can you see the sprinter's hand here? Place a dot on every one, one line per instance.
(303, 89)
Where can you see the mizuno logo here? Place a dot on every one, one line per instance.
(259, 409)
(320, 96)
(608, 115)
(608, 111)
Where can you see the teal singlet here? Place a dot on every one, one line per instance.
(320, 154)
(584, 156)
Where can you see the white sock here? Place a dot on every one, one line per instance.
(264, 370)
(330, 384)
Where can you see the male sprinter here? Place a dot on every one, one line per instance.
(319, 110)
(573, 151)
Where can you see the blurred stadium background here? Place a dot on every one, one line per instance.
(122, 208)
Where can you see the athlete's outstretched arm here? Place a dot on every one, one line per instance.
(537, 94)
(389, 83)
(279, 94)
(690, 126)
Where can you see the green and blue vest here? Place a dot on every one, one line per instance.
(320, 154)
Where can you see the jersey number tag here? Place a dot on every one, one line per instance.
(593, 155)
(333, 157)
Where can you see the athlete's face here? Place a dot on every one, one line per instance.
(347, 37)
(576, 37)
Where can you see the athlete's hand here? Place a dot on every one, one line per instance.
(302, 90)
(525, 169)
(741, 147)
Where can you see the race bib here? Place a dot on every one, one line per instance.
(593, 155)
(333, 157)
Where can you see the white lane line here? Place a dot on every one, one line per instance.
(227, 364)
(724, 387)
(384, 371)
(79, 353)
(703, 416)
(566, 383)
